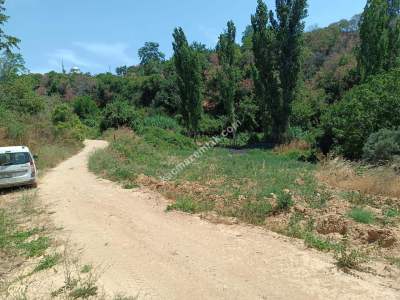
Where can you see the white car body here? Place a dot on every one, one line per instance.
(17, 167)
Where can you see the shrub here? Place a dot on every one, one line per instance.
(163, 122)
(165, 138)
(348, 259)
(118, 114)
(19, 95)
(382, 146)
(85, 107)
(362, 216)
(364, 110)
(62, 114)
(285, 201)
(67, 124)
(210, 125)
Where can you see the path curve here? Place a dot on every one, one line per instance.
(159, 255)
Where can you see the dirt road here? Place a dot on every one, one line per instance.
(159, 255)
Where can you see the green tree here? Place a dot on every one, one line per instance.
(189, 80)
(228, 74)
(379, 49)
(151, 58)
(7, 42)
(85, 107)
(373, 54)
(118, 114)
(365, 109)
(394, 33)
(265, 77)
(277, 45)
(289, 28)
(11, 65)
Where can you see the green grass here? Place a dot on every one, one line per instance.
(361, 215)
(36, 247)
(188, 205)
(84, 292)
(255, 212)
(395, 261)
(240, 181)
(50, 155)
(130, 185)
(392, 213)
(48, 262)
(86, 269)
(313, 241)
(13, 240)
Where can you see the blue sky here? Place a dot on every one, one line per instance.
(99, 35)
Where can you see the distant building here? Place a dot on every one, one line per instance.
(75, 70)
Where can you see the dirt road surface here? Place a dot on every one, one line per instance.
(157, 255)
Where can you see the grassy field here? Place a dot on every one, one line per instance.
(265, 187)
(235, 183)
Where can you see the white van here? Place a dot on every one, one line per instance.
(17, 167)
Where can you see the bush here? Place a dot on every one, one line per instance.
(285, 201)
(119, 114)
(382, 146)
(67, 124)
(19, 95)
(63, 114)
(165, 138)
(210, 125)
(163, 122)
(348, 259)
(85, 107)
(364, 110)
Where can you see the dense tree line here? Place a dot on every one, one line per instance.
(280, 82)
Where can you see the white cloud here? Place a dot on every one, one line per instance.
(116, 52)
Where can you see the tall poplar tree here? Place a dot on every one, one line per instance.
(394, 33)
(188, 69)
(379, 49)
(373, 52)
(228, 74)
(277, 46)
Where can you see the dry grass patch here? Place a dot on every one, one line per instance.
(345, 175)
(295, 145)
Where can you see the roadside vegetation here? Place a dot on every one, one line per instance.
(34, 262)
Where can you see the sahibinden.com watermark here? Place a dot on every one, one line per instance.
(214, 141)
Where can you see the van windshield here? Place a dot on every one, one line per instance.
(11, 159)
